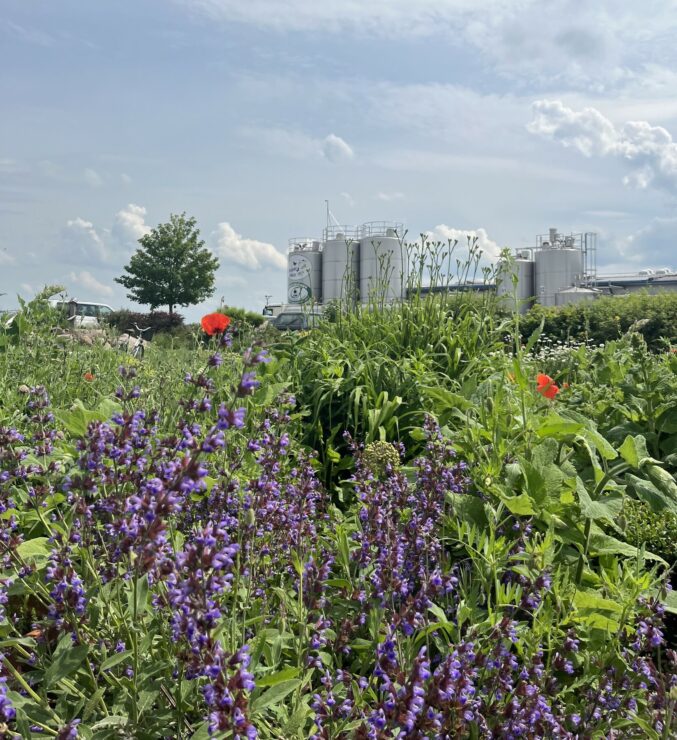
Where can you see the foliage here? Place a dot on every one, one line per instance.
(172, 267)
(33, 319)
(157, 321)
(242, 317)
(658, 531)
(479, 566)
(608, 318)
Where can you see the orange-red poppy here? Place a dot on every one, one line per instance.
(214, 323)
(545, 385)
(88, 377)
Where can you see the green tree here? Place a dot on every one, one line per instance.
(172, 267)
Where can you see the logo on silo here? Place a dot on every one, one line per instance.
(298, 279)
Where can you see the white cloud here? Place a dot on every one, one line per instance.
(82, 242)
(298, 145)
(348, 198)
(87, 281)
(490, 248)
(93, 178)
(250, 253)
(336, 149)
(130, 225)
(125, 179)
(387, 197)
(588, 45)
(648, 151)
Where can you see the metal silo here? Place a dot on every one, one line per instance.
(340, 264)
(518, 297)
(304, 271)
(383, 262)
(556, 268)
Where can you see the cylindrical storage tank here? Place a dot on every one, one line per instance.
(519, 297)
(574, 295)
(304, 274)
(383, 266)
(340, 269)
(556, 269)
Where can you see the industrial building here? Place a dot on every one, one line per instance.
(359, 264)
(350, 264)
(562, 269)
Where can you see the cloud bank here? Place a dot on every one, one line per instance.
(649, 152)
(490, 248)
(231, 247)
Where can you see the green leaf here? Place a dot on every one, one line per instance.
(590, 600)
(202, 732)
(113, 720)
(296, 722)
(35, 549)
(92, 703)
(276, 678)
(604, 544)
(142, 591)
(66, 661)
(654, 497)
(600, 443)
(114, 660)
(609, 506)
(662, 480)
(555, 426)
(633, 450)
(274, 695)
(521, 505)
(535, 336)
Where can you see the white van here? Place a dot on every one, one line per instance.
(81, 313)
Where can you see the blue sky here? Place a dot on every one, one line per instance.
(496, 117)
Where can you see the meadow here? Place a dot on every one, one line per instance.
(430, 520)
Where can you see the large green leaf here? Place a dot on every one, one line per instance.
(651, 495)
(67, 659)
(608, 507)
(274, 695)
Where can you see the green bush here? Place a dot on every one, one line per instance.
(608, 318)
(657, 531)
(158, 321)
(242, 316)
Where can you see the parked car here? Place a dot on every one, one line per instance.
(82, 314)
(296, 320)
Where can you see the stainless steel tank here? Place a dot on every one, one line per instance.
(304, 271)
(520, 296)
(575, 294)
(383, 262)
(341, 267)
(556, 269)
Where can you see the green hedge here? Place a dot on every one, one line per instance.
(159, 321)
(609, 317)
(242, 316)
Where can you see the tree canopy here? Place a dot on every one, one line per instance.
(172, 267)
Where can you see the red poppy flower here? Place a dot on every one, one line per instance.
(545, 385)
(214, 323)
(88, 377)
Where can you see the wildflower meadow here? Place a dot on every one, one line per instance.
(416, 521)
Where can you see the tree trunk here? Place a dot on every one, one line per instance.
(171, 309)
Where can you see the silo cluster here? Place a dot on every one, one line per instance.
(550, 273)
(351, 264)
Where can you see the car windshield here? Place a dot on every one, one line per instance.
(290, 321)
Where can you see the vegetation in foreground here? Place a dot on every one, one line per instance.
(409, 526)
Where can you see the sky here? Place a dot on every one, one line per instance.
(493, 118)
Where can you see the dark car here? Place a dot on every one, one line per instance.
(296, 321)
